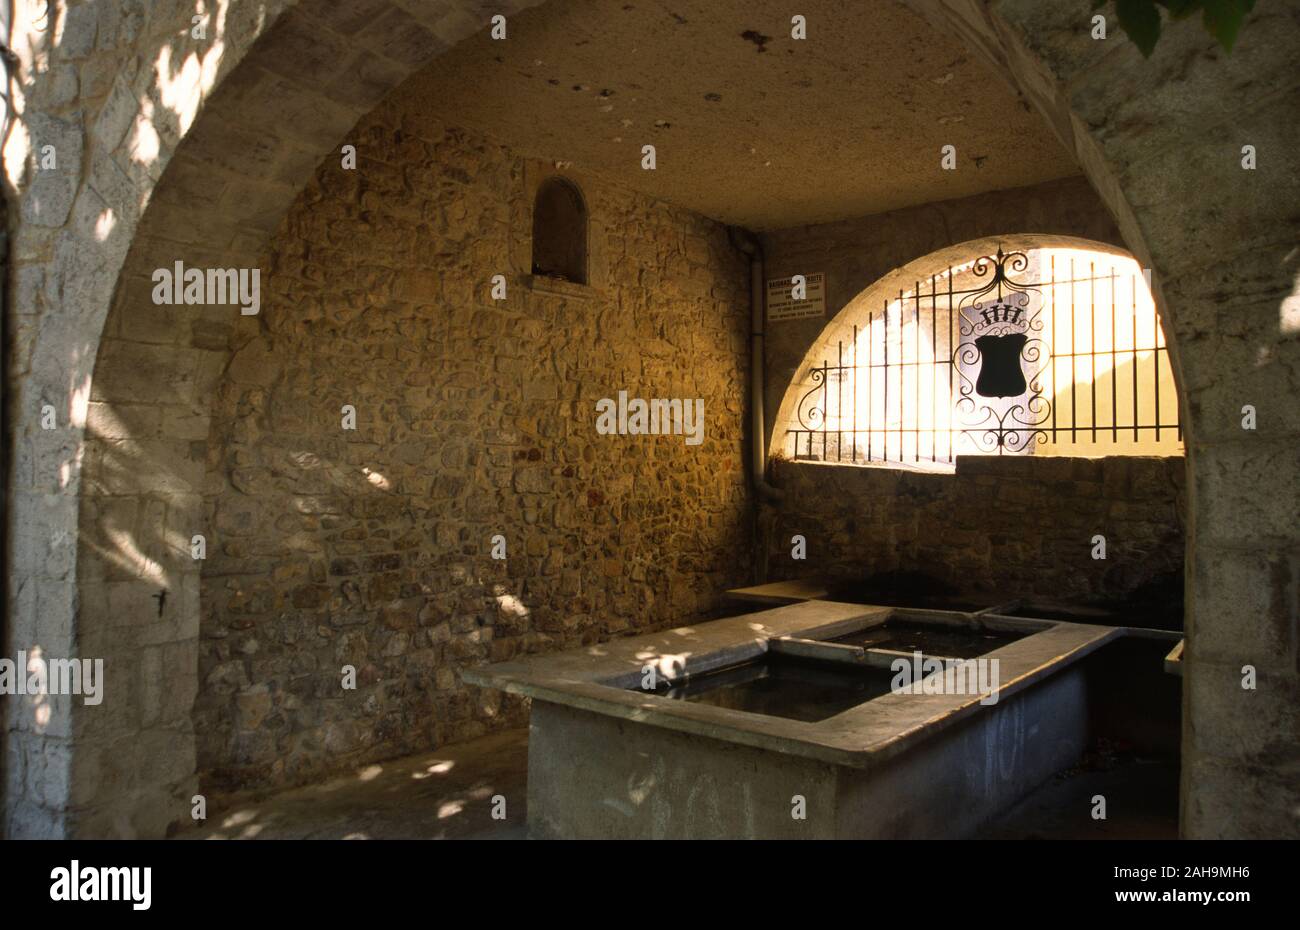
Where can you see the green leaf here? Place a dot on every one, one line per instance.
(1181, 8)
(1140, 19)
(1223, 20)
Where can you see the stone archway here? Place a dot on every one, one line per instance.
(274, 86)
(1221, 245)
(198, 148)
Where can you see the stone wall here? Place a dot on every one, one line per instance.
(474, 417)
(1010, 526)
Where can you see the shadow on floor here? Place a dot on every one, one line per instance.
(446, 794)
(1141, 804)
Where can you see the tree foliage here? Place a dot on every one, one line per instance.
(1140, 19)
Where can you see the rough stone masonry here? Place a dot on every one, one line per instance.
(475, 417)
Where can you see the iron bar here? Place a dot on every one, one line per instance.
(1092, 343)
(996, 359)
(1134, 282)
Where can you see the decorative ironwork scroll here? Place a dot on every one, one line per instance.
(1000, 326)
(946, 371)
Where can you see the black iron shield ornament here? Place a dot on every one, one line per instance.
(1000, 372)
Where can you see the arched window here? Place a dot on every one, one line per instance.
(1054, 350)
(560, 231)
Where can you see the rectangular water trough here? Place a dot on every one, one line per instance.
(788, 723)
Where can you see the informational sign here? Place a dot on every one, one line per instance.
(796, 299)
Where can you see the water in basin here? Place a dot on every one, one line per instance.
(784, 686)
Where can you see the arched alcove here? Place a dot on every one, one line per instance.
(560, 231)
(901, 363)
(977, 489)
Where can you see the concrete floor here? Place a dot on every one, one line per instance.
(448, 795)
(1141, 804)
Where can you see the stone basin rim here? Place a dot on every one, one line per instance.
(863, 736)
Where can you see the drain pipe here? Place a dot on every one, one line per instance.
(765, 494)
(748, 243)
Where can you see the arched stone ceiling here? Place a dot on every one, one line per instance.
(750, 126)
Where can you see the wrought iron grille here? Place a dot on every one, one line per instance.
(943, 371)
